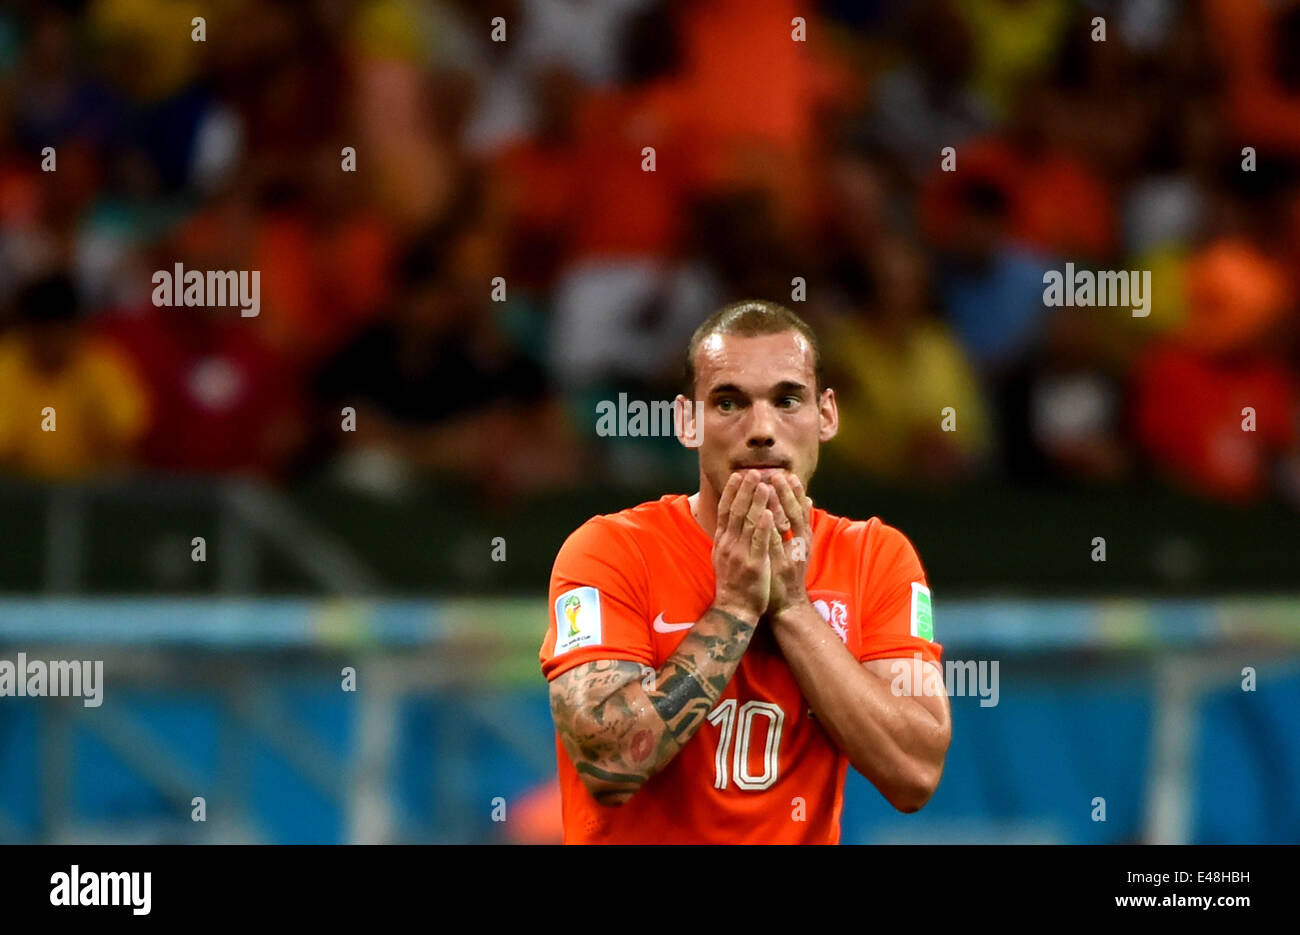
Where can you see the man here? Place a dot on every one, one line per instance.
(716, 661)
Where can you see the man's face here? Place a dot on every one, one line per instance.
(760, 407)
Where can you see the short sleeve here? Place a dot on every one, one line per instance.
(898, 620)
(598, 600)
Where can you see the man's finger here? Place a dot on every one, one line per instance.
(761, 501)
(742, 502)
(804, 500)
(780, 515)
(797, 486)
(764, 529)
(777, 549)
(790, 505)
(724, 504)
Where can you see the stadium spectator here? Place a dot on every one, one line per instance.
(1056, 203)
(991, 287)
(926, 102)
(1258, 46)
(223, 400)
(1061, 412)
(1015, 42)
(324, 257)
(73, 406)
(897, 372)
(437, 385)
(1216, 406)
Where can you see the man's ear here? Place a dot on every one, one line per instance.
(688, 420)
(828, 412)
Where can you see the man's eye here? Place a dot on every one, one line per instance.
(726, 405)
(789, 401)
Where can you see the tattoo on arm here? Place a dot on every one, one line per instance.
(694, 676)
(613, 735)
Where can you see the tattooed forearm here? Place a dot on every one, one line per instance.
(694, 676)
(678, 699)
(606, 776)
(619, 731)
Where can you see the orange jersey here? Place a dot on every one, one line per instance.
(761, 769)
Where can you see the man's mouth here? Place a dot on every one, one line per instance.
(762, 466)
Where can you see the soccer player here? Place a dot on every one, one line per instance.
(716, 661)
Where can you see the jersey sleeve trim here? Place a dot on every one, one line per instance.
(929, 652)
(558, 665)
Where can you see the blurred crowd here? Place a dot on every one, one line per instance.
(459, 238)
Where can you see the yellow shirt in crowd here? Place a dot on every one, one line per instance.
(99, 408)
(892, 394)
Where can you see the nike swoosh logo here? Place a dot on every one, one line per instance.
(661, 627)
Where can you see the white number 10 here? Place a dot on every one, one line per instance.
(724, 715)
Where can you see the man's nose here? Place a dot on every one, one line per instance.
(761, 428)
